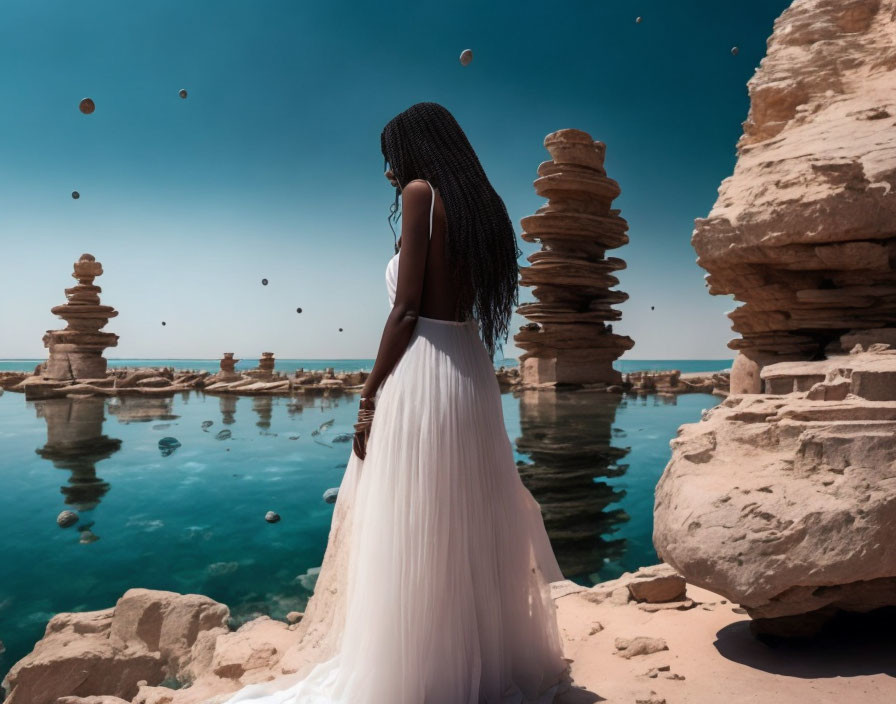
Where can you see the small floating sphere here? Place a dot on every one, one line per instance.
(340, 329)
(66, 519)
(75, 195)
(272, 517)
(264, 282)
(651, 307)
(330, 495)
(298, 310)
(734, 51)
(182, 93)
(164, 323)
(87, 106)
(466, 56)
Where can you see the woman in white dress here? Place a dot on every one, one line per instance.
(435, 584)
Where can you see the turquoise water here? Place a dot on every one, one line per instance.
(193, 520)
(351, 365)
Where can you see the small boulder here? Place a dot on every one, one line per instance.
(272, 517)
(66, 519)
(294, 616)
(632, 647)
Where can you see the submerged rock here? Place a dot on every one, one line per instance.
(272, 517)
(66, 519)
(223, 434)
(330, 495)
(167, 446)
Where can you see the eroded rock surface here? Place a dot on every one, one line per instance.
(786, 503)
(804, 231)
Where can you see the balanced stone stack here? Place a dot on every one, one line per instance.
(569, 340)
(802, 233)
(266, 363)
(77, 351)
(228, 364)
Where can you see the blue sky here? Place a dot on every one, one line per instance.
(271, 168)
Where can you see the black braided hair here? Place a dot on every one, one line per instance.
(426, 142)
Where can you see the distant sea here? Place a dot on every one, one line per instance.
(351, 365)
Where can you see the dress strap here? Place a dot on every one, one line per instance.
(431, 206)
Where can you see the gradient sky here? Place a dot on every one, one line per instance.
(271, 168)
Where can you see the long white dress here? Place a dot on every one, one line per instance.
(447, 563)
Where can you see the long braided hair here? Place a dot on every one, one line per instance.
(426, 142)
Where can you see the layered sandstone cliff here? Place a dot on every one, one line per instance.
(804, 232)
(782, 499)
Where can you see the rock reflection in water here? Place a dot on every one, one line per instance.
(142, 409)
(263, 406)
(227, 405)
(566, 436)
(75, 442)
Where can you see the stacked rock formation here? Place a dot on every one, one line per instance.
(568, 340)
(77, 351)
(783, 501)
(803, 232)
(228, 367)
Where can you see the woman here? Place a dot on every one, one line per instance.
(435, 585)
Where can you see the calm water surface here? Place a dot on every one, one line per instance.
(192, 519)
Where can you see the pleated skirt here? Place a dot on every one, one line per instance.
(435, 585)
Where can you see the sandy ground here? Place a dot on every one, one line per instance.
(722, 663)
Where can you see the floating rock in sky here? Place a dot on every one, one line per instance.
(264, 282)
(298, 310)
(164, 323)
(466, 56)
(272, 517)
(87, 106)
(223, 435)
(182, 93)
(168, 445)
(66, 519)
(330, 495)
(75, 195)
(651, 307)
(340, 329)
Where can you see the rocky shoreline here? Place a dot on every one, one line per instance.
(645, 638)
(165, 381)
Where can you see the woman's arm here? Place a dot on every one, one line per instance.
(416, 201)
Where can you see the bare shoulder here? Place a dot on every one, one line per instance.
(417, 189)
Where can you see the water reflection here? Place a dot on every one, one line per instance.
(142, 409)
(75, 442)
(227, 405)
(263, 407)
(566, 436)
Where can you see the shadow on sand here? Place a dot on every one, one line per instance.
(852, 645)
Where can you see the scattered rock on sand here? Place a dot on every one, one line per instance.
(641, 645)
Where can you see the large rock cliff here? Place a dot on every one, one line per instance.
(804, 231)
(784, 501)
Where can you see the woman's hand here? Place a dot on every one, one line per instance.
(362, 427)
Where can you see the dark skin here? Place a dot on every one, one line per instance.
(425, 286)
